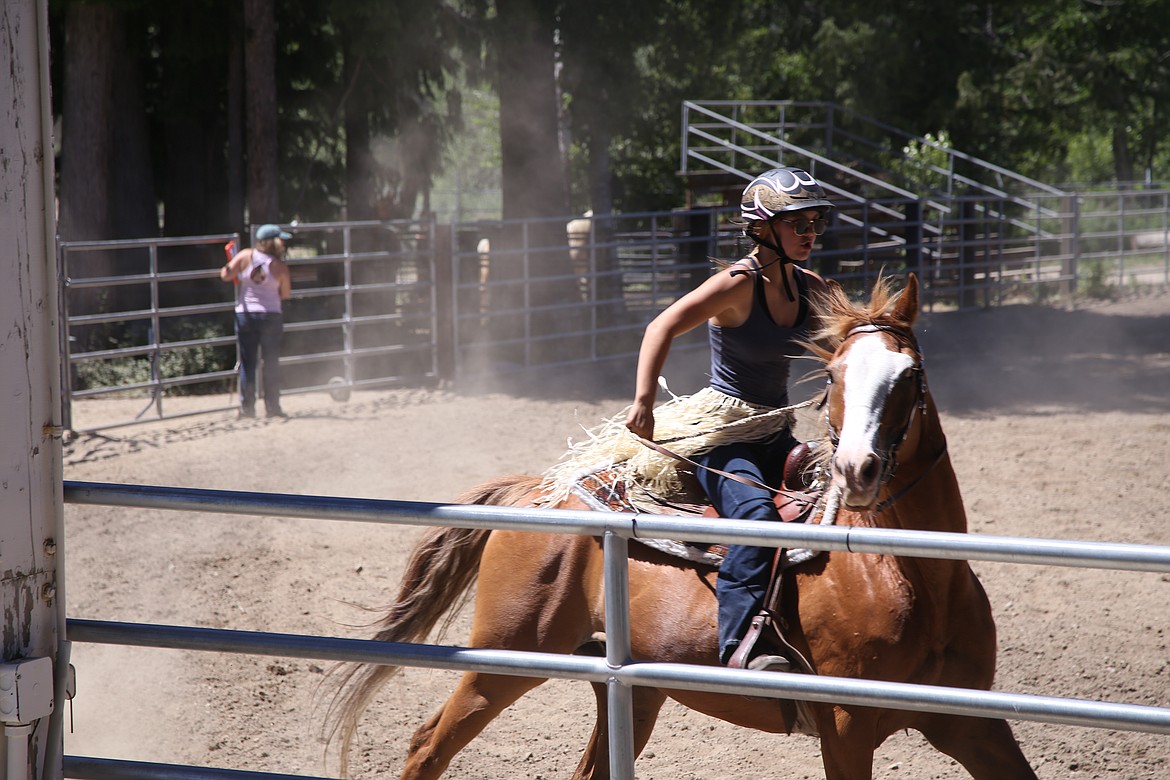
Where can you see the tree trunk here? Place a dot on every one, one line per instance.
(194, 68)
(236, 186)
(533, 176)
(533, 183)
(359, 163)
(87, 130)
(87, 137)
(132, 194)
(608, 285)
(1122, 161)
(260, 90)
(600, 172)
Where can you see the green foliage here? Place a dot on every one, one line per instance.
(1090, 158)
(379, 102)
(691, 51)
(1067, 76)
(468, 183)
(183, 353)
(1095, 284)
(114, 372)
(922, 165)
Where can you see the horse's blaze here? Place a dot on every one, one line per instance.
(869, 369)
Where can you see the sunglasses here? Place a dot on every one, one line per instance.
(802, 225)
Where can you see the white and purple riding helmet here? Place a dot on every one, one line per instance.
(781, 189)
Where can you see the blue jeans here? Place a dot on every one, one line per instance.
(745, 572)
(259, 336)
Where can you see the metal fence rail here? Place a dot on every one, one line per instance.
(921, 544)
(518, 663)
(380, 304)
(617, 670)
(91, 768)
(150, 318)
(555, 292)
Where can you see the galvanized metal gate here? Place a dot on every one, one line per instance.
(617, 671)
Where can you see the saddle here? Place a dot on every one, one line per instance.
(607, 491)
(795, 501)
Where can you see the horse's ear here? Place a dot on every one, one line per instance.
(907, 306)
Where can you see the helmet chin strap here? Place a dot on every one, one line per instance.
(781, 258)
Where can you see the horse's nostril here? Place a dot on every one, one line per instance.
(869, 471)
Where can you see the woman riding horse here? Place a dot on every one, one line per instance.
(862, 616)
(758, 313)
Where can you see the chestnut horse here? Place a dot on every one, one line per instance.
(869, 616)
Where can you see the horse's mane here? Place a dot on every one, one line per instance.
(838, 315)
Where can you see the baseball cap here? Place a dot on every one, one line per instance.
(265, 232)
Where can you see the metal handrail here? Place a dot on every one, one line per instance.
(953, 154)
(921, 544)
(617, 670)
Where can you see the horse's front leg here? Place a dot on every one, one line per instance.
(985, 747)
(848, 741)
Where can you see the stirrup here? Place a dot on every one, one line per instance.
(770, 663)
(742, 655)
(775, 646)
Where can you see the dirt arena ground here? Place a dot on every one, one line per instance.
(1059, 425)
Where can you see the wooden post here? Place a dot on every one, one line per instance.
(31, 516)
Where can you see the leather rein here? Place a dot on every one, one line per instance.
(695, 464)
(889, 456)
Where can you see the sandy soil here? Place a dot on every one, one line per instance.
(1059, 423)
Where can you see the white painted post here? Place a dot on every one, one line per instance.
(31, 507)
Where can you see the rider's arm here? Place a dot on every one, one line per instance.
(723, 296)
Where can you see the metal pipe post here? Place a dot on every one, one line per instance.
(617, 655)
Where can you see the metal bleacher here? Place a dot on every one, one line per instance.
(904, 201)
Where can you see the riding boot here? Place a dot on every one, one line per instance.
(749, 656)
(740, 588)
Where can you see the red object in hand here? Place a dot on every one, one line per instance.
(229, 249)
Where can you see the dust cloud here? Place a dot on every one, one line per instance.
(1018, 357)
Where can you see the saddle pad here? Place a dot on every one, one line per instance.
(605, 491)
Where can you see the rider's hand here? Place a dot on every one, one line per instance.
(640, 420)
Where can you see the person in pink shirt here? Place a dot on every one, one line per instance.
(264, 284)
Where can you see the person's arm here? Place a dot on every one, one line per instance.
(234, 266)
(721, 295)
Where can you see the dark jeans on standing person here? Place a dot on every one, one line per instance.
(745, 572)
(259, 336)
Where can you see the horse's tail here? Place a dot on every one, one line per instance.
(438, 576)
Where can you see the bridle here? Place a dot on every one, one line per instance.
(888, 457)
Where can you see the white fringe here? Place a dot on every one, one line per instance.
(688, 425)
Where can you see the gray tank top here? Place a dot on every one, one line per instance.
(751, 362)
